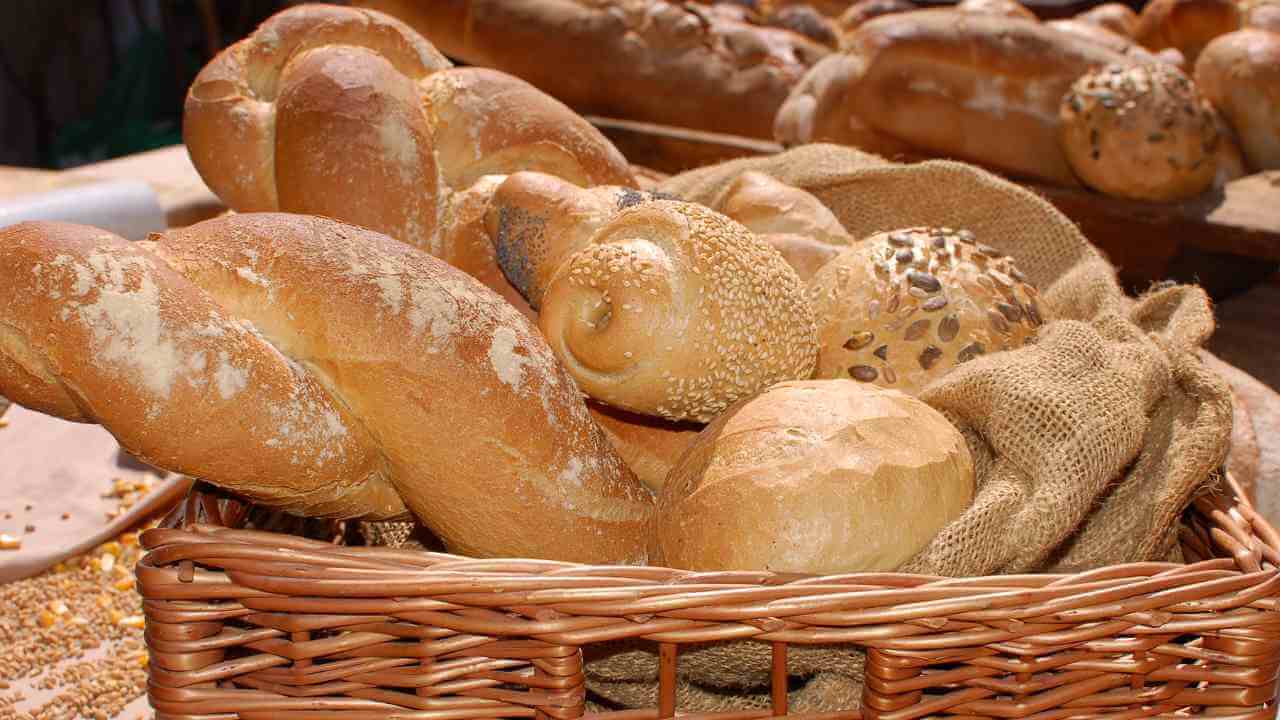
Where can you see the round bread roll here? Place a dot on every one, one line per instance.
(864, 10)
(901, 308)
(1001, 8)
(1240, 74)
(1142, 132)
(1187, 25)
(676, 311)
(649, 446)
(818, 476)
(804, 254)
(769, 206)
(1116, 17)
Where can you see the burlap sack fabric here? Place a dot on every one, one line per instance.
(1088, 443)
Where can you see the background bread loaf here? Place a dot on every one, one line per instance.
(650, 60)
(1116, 17)
(322, 369)
(1186, 25)
(767, 206)
(864, 10)
(351, 114)
(1240, 74)
(821, 476)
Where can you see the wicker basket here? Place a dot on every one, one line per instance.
(251, 624)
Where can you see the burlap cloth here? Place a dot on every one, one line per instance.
(1088, 443)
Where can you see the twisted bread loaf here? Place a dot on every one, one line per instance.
(350, 114)
(667, 62)
(319, 368)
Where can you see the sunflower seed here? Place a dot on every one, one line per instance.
(863, 373)
(859, 340)
(1012, 313)
(929, 356)
(924, 281)
(997, 321)
(934, 303)
(882, 352)
(948, 328)
(904, 256)
(970, 351)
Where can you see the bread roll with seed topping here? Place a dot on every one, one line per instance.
(998, 8)
(322, 369)
(864, 10)
(767, 206)
(1116, 17)
(1186, 25)
(901, 308)
(1142, 132)
(676, 311)
(820, 476)
(1240, 74)
(536, 222)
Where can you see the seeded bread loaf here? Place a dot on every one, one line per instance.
(901, 308)
(821, 476)
(649, 60)
(1240, 74)
(1141, 132)
(1186, 25)
(352, 115)
(959, 85)
(322, 369)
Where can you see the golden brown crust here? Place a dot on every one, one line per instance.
(1186, 25)
(1096, 33)
(322, 368)
(766, 206)
(1116, 17)
(672, 63)
(1240, 74)
(972, 87)
(351, 114)
(649, 446)
(901, 308)
(997, 8)
(1142, 132)
(822, 476)
(804, 20)
(675, 311)
(864, 10)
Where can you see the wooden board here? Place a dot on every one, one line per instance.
(1226, 241)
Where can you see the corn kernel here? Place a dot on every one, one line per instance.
(106, 562)
(144, 660)
(9, 542)
(46, 619)
(112, 547)
(133, 621)
(124, 584)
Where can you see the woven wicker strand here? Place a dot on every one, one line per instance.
(251, 624)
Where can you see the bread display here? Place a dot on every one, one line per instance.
(998, 8)
(1142, 132)
(1116, 17)
(901, 308)
(350, 114)
(960, 85)
(676, 311)
(1240, 74)
(321, 369)
(650, 60)
(767, 206)
(1186, 25)
(864, 10)
(648, 445)
(819, 476)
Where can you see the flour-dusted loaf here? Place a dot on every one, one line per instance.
(1240, 74)
(322, 369)
(1140, 131)
(819, 476)
(1186, 25)
(352, 115)
(676, 311)
(901, 308)
(967, 86)
(650, 60)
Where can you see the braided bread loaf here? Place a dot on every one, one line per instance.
(320, 368)
(352, 115)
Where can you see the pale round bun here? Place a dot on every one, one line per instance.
(903, 307)
(1000, 8)
(648, 445)
(1240, 74)
(1142, 132)
(804, 254)
(1116, 17)
(676, 311)
(1187, 25)
(818, 476)
(765, 205)
(864, 10)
